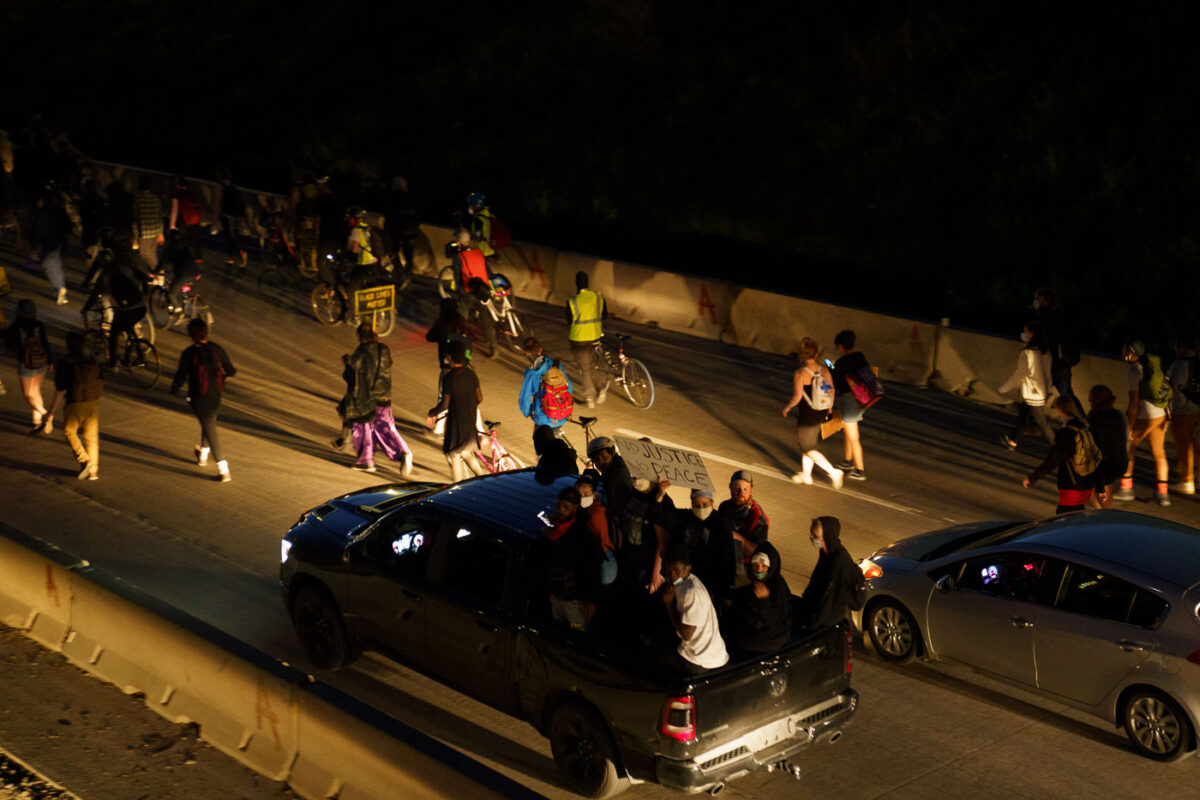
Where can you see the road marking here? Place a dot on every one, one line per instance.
(771, 472)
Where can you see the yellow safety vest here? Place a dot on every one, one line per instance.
(587, 307)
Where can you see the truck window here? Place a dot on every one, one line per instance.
(476, 564)
(402, 544)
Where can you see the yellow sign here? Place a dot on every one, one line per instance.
(376, 298)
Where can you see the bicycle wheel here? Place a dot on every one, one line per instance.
(637, 383)
(271, 282)
(385, 322)
(446, 285)
(514, 332)
(141, 359)
(144, 328)
(156, 304)
(327, 304)
(95, 346)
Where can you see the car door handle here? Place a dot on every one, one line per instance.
(1130, 646)
(487, 626)
(1020, 622)
(411, 595)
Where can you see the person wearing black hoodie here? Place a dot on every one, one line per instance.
(759, 618)
(836, 584)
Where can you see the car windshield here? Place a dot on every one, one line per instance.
(983, 537)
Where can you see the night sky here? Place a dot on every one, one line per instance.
(929, 159)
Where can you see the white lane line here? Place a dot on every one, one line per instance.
(771, 472)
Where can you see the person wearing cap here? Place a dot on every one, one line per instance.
(708, 541)
(586, 313)
(836, 584)
(543, 397)
(746, 520)
(1147, 417)
(573, 563)
(759, 615)
(692, 615)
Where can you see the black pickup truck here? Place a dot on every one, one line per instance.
(447, 579)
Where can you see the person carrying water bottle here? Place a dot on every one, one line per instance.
(813, 396)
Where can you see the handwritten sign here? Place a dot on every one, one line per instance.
(377, 298)
(659, 462)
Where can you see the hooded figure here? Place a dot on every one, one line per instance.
(836, 583)
(759, 619)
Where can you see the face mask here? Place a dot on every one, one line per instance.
(641, 484)
(1035, 305)
(1024, 336)
(758, 576)
(586, 501)
(816, 543)
(703, 512)
(677, 581)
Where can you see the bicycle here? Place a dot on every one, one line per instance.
(332, 303)
(499, 306)
(500, 460)
(158, 302)
(588, 424)
(139, 357)
(611, 364)
(281, 257)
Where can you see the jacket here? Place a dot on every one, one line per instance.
(1032, 375)
(834, 586)
(530, 398)
(1060, 456)
(573, 561)
(761, 625)
(368, 376)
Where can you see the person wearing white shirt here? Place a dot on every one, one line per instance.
(692, 615)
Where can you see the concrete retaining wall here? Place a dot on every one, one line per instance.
(268, 716)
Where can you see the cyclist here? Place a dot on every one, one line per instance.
(366, 260)
(585, 313)
(129, 304)
(185, 266)
(479, 224)
(473, 279)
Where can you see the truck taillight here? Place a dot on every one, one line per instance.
(849, 658)
(679, 718)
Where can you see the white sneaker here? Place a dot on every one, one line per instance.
(838, 478)
(407, 469)
(1184, 487)
(3, 391)
(800, 477)
(201, 455)
(62, 297)
(223, 472)
(85, 469)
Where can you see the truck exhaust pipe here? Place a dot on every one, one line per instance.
(716, 789)
(835, 736)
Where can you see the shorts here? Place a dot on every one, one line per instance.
(808, 431)
(852, 412)
(26, 372)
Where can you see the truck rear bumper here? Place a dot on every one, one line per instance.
(822, 722)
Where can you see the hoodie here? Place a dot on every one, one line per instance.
(761, 625)
(834, 586)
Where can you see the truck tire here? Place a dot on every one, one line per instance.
(320, 628)
(585, 753)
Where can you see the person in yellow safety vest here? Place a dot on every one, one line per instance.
(359, 244)
(585, 312)
(479, 222)
(474, 282)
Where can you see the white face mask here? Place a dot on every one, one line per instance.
(703, 512)
(586, 501)
(677, 581)
(641, 484)
(816, 543)
(1025, 336)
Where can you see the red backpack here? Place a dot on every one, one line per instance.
(556, 395)
(206, 363)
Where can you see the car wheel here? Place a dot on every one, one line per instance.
(1157, 726)
(320, 628)
(584, 752)
(893, 631)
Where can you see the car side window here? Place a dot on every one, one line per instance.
(476, 564)
(402, 544)
(1014, 576)
(1089, 591)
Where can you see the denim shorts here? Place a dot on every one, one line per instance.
(852, 412)
(26, 372)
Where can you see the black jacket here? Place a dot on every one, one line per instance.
(1060, 456)
(710, 544)
(760, 625)
(836, 584)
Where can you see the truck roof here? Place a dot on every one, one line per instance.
(511, 500)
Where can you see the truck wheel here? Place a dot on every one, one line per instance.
(893, 631)
(584, 752)
(1157, 726)
(320, 628)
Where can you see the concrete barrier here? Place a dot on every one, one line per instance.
(35, 588)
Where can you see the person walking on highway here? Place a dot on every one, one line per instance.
(366, 407)
(574, 564)
(813, 397)
(232, 208)
(1076, 456)
(1111, 432)
(836, 584)
(1060, 341)
(851, 364)
(586, 312)
(205, 366)
(1184, 374)
(51, 229)
(27, 339)
(473, 278)
(745, 518)
(1149, 397)
(78, 387)
(545, 395)
(692, 615)
(461, 396)
(1032, 375)
(401, 222)
(148, 223)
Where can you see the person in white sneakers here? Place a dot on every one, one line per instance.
(205, 366)
(813, 397)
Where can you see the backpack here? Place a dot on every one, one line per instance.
(865, 387)
(500, 237)
(1086, 458)
(1191, 387)
(87, 384)
(206, 363)
(821, 391)
(1154, 387)
(556, 397)
(33, 351)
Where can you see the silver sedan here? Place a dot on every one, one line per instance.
(1099, 610)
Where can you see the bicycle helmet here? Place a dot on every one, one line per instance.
(476, 199)
(356, 213)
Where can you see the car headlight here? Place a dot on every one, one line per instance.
(285, 547)
(870, 569)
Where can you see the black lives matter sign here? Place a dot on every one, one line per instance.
(377, 298)
(659, 462)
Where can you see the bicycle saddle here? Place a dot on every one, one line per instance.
(490, 425)
(587, 420)
(623, 336)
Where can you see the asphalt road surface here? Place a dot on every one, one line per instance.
(212, 549)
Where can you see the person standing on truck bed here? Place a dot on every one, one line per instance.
(836, 584)
(692, 615)
(574, 564)
(759, 616)
(741, 512)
